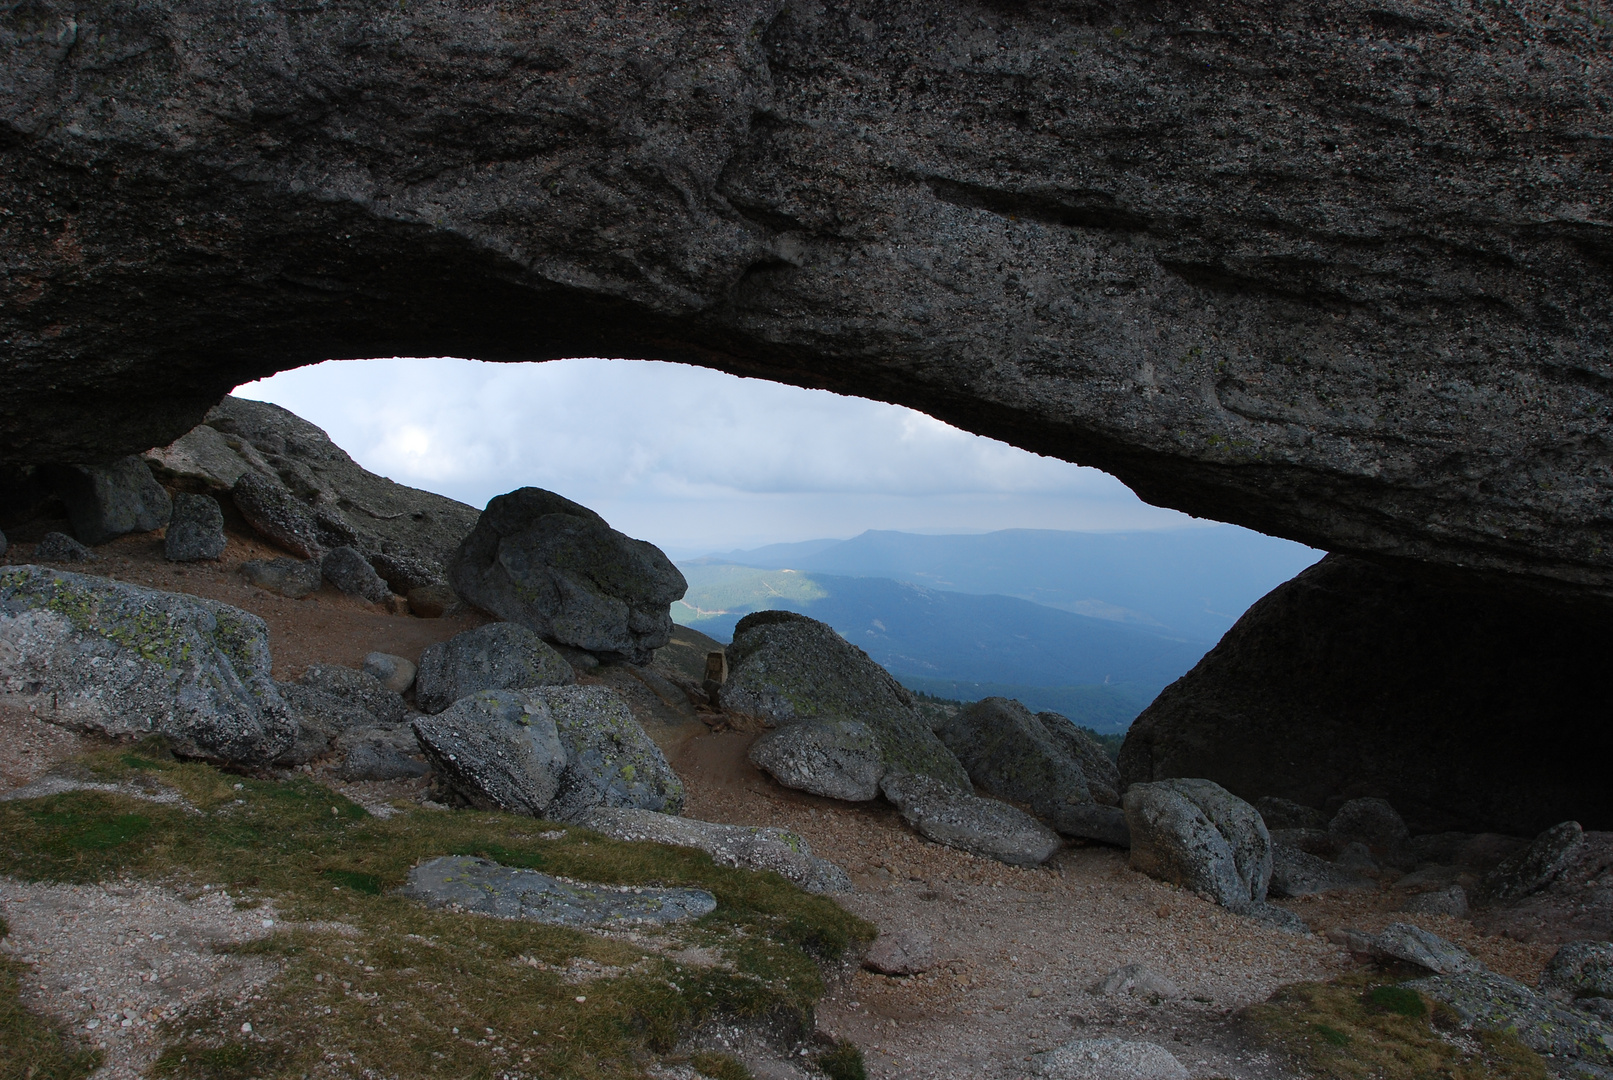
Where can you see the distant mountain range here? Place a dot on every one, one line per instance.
(1090, 625)
(1189, 582)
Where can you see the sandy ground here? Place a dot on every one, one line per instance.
(115, 960)
(1015, 951)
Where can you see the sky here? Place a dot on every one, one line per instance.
(695, 461)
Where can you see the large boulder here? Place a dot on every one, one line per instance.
(352, 573)
(959, 819)
(1464, 706)
(1101, 772)
(497, 750)
(358, 688)
(497, 656)
(552, 565)
(1580, 969)
(321, 719)
(838, 759)
(116, 658)
(105, 502)
(1014, 755)
(196, 529)
(785, 668)
(1535, 867)
(610, 761)
(1196, 834)
(406, 534)
(557, 752)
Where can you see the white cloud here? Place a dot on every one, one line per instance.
(689, 458)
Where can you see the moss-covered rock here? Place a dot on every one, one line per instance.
(101, 655)
(786, 668)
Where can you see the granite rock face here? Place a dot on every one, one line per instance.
(556, 567)
(497, 656)
(1285, 705)
(1195, 834)
(350, 572)
(968, 208)
(107, 656)
(785, 669)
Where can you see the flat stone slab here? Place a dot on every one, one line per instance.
(484, 887)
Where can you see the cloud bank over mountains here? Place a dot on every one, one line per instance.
(691, 459)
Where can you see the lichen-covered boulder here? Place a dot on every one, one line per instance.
(1488, 1001)
(552, 565)
(498, 656)
(1196, 834)
(105, 502)
(786, 668)
(497, 750)
(610, 761)
(838, 759)
(1299, 873)
(966, 821)
(117, 658)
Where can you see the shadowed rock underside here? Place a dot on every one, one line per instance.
(1337, 273)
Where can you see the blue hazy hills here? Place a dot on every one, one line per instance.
(1092, 625)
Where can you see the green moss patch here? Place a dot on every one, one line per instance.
(393, 988)
(1364, 1026)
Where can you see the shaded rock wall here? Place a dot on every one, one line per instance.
(1467, 709)
(1339, 272)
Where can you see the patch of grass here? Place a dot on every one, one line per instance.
(397, 989)
(192, 1059)
(34, 1047)
(719, 1066)
(1398, 1000)
(844, 1062)
(1363, 1026)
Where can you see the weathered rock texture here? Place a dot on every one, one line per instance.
(483, 886)
(497, 656)
(1465, 709)
(1194, 834)
(101, 655)
(556, 567)
(1336, 272)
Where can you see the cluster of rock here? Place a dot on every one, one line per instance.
(843, 728)
(1567, 1017)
